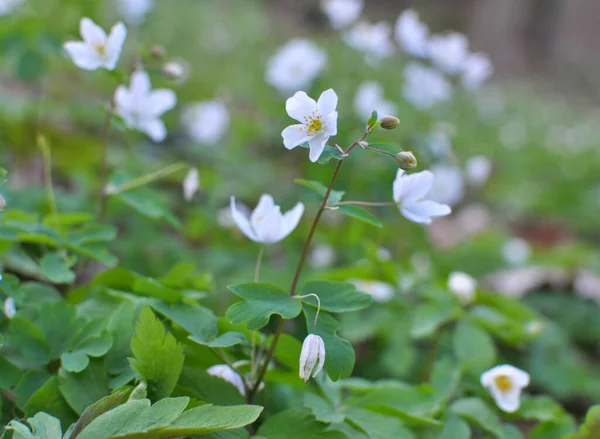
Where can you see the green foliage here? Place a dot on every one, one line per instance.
(590, 428)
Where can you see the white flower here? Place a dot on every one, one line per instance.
(477, 69)
(134, 11)
(10, 309)
(318, 121)
(295, 66)
(412, 34)
(369, 98)
(191, 184)
(322, 256)
(449, 52)
(380, 291)
(341, 13)
(462, 286)
(478, 170)
(8, 6)
(409, 193)
(266, 223)
(425, 87)
(371, 39)
(206, 122)
(141, 107)
(225, 217)
(97, 50)
(505, 383)
(448, 187)
(226, 373)
(176, 69)
(516, 251)
(313, 351)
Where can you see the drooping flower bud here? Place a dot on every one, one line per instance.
(406, 160)
(176, 70)
(390, 122)
(10, 309)
(226, 373)
(158, 52)
(191, 184)
(313, 352)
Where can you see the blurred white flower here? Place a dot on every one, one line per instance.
(225, 217)
(409, 192)
(373, 40)
(384, 254)
(134, 11)
(318, 121)
(226, 373)
(97, 50)
(462, 286)
(206, 122)
(10, 309)
(177, 70)
(191, 184)
(8, 6)
(411, 33)
(425, 87)
(266, 224)
(477, 69)
(295, 66)
(534, 328)
(505, 383)
(449, 52)
(381, 292)
(369, 98)
(342, 13)
(141, 107)
(516, 251)
(448, 187)
(478, 170)
(313, 352)
(322, 256)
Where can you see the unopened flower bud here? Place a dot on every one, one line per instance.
(313, 352)
(406, 160)
(462, 286)
(390, 122)
(2, 203)
(10, 309)
(158, 52)
(228, 374)
(176, 70)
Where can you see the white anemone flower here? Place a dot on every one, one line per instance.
(342, 13)
(266, 224)
(206, 122)
(313, 352)
(226, 373)
(8, 6)
(449, 186)
(191, 184)
(381, 292)
(425, 87)
(478, 170)
(322, 256)
(295, 66)
(369, 98)
(505, 383)
(97, 50)
(477, 69)
(373, 40)
(449, 52)
(141, 107)
(134, 11)
(318, 122)
(410, 191)
(463, 286)
(10, 309)
(411, 33)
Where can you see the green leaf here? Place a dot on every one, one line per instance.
(334, 196)
(455, 428)
(81, 390)
(149, 287)
(430, 317)
(260, 302)
(590, 429)
(335, 297)
(541, 408)
(74, 361)
(328, 154)
(43, 426)
(477, 412)
(339, 358)
(204, 387)
(360, 214)
(200, 322)
(374, 118)
(145, 202)
(378, 426)
(158, 356)
(473, 347)
(93, 346)
(296, 424)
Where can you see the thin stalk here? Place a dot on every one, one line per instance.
(45, 147)
(259, 259)
(104, 162)
(147, 178)
(365, 203)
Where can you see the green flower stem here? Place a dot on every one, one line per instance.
(146, 178)
(364, 203)
(104, 161)
(253, 357)
(47, 154)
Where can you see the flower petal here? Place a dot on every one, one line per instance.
(154, 128)
(327, 102)
(83, 55)
(140, 84)
(412, 187)
(294, 135)
(91, 33)
(423, 211)
(161, 101)
(321, 356)
(242, 221)
(317, 145)
(114, 45)
(508, 401)
(265, 205)
(331, 124)
(269, 229)
(300, 106)
(291, 219)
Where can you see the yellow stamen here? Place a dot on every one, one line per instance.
(504, 383)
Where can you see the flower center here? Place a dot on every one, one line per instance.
(101, 49)
(504, 383)
(314, 123)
